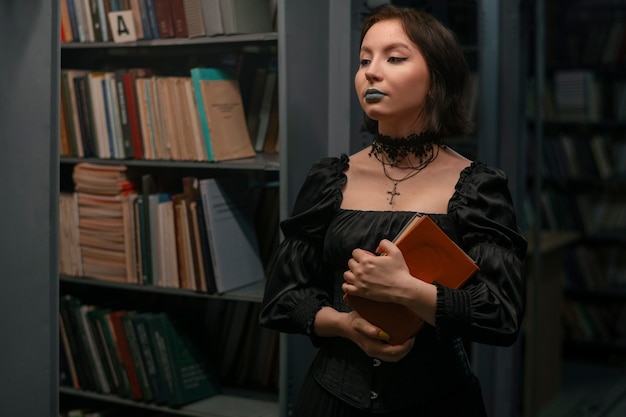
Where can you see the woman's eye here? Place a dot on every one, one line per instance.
(395, 59)
(364, 61)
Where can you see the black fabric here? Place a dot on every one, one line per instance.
(307, 275)
(315, 401)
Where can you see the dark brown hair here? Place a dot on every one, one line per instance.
(446, 105)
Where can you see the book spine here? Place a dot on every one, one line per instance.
(147, 354)
(135, 350)
(71, 9)
(129, 148)
(163, 15)
(152, 19)
(178, 18)
(204, 124)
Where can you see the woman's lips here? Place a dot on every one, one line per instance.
(373, 95)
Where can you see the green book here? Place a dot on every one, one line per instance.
(189, 375)
(155, 378)
(202, 74)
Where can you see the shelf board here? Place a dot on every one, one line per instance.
(261, 162)
(222, 405)
(203, 40)
(252, 292)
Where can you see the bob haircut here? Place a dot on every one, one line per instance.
(445, 111)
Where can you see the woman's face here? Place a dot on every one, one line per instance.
(393, 79)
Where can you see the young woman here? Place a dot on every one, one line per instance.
(411, 85)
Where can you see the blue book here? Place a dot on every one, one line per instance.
(107, 114)
(73, 22)
(152, 19)
(145, 20)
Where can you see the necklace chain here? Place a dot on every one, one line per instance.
(391, 152)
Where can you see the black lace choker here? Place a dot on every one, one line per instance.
(392, 151)
(395, 150)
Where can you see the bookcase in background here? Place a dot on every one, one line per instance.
(578, 130)
(173, 56)
(129, 108)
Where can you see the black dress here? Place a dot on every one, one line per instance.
(435, 378)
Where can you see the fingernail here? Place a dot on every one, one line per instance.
(383, 336)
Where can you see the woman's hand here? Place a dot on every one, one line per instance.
(381, 278)
(371, 339)
(387, 278)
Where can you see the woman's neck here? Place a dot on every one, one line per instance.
(400, 130)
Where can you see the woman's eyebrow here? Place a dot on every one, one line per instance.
(396, 45)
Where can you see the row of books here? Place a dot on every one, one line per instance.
(132, 113)
(582, 157)
(91, 20)
(210, 236)
(161, 358)
(248, 353)
(602, 42)
(145, 356)
(590, 322)
(600, 268)
(592, 213)
(580, 95)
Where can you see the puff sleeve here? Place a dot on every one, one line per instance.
(297, 287)
(490, 308)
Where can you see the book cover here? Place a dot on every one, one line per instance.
(203, 74)
(226, 120)
(193, 377)
(232, 238)
(245, 16)
(432, 257)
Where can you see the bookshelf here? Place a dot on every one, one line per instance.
(576, 178)
(304, 94)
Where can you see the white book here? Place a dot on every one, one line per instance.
(98, 112)
(265, 110)
(200, 153)
(232, 238)
(168, 262)
(212, 16)
(245, 16)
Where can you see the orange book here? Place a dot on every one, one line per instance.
(432, 257)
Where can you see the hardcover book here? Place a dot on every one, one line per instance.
(232, 239)
(432, 257)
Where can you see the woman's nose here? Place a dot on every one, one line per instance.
(372, 72)
(371, 75)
